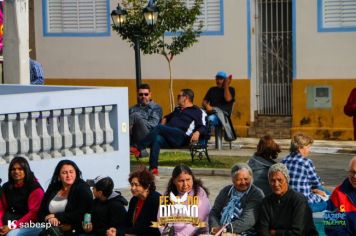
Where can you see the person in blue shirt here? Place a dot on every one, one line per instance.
(36, 73)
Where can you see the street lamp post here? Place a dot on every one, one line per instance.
(150, 13)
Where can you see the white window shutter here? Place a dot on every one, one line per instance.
(339, 13)
(77, 16)
(210, 14)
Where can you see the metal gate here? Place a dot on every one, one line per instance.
(274, 75)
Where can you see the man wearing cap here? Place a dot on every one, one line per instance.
(144, 116)
(285, 211)
(218, 103)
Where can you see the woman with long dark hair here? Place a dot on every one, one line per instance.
(20, 200)
(183, 182)
(67, 198)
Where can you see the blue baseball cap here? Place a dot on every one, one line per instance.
(221, 74)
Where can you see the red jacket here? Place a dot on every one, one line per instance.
(343, 200)
(350, 108)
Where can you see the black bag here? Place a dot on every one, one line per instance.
(52, 231)
(168, 231)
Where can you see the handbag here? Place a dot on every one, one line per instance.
(168, 230)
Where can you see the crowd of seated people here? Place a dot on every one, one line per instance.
(247, 206)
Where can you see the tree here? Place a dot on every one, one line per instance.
(175, 18)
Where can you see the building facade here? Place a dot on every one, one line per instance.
(293, 59)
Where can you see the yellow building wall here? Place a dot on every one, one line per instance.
(159, 88)
(322, 123)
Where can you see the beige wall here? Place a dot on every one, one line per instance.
(322, 55)
(112, 58)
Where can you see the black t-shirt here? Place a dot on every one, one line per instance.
(215, 96)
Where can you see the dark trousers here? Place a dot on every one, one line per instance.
(162, 136)
(138, 129)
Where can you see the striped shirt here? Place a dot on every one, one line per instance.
(303, 176)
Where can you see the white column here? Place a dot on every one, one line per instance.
(35, 141)
(43, 133)
(56, 138)
(22, 139)
(98, 132)
(76, 132)
(11, 142)
(16, 42)
(65, 132)
(88, 136)
(108, 131)
(2, 142)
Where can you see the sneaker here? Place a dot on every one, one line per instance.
(135, 152)
(154, 171)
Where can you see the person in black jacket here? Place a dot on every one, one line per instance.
(143, 206)
(67, 198)
(285, 211)
(108, 208)
(184, 125)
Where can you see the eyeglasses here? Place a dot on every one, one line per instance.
(143, 94)
(180, 95)
(352, 172)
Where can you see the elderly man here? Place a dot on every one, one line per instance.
(144, 116)
(285, 211)
(343, 201)
(185, 124)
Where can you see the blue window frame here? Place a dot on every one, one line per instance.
(336, 15)
(76, 18)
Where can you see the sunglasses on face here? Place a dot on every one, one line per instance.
(143, 94)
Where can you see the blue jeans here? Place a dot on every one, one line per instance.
(162, 136)
(214, 120)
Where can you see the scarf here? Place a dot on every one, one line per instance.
(233, 209)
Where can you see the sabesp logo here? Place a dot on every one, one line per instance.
(11, 224)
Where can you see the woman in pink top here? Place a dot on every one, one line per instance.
(183, 183)
(20, 201)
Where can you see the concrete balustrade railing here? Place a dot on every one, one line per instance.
(46, 124)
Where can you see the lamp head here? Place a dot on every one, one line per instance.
(118, 16)
(151, 13)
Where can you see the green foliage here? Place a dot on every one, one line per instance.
(173, 17)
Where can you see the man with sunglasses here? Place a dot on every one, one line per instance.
(184, 125)
(144, 116)
(342, 205)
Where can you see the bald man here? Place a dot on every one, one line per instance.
(343, 201)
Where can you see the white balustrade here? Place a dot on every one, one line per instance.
(76, 132)
(82, 124)
(2, 141)
(11, 142)
(45, 137)
(22, 139)
(88, 136)
(97, 131)
(34, 139)
(56, 138)
(108, 131)
(65, 132)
